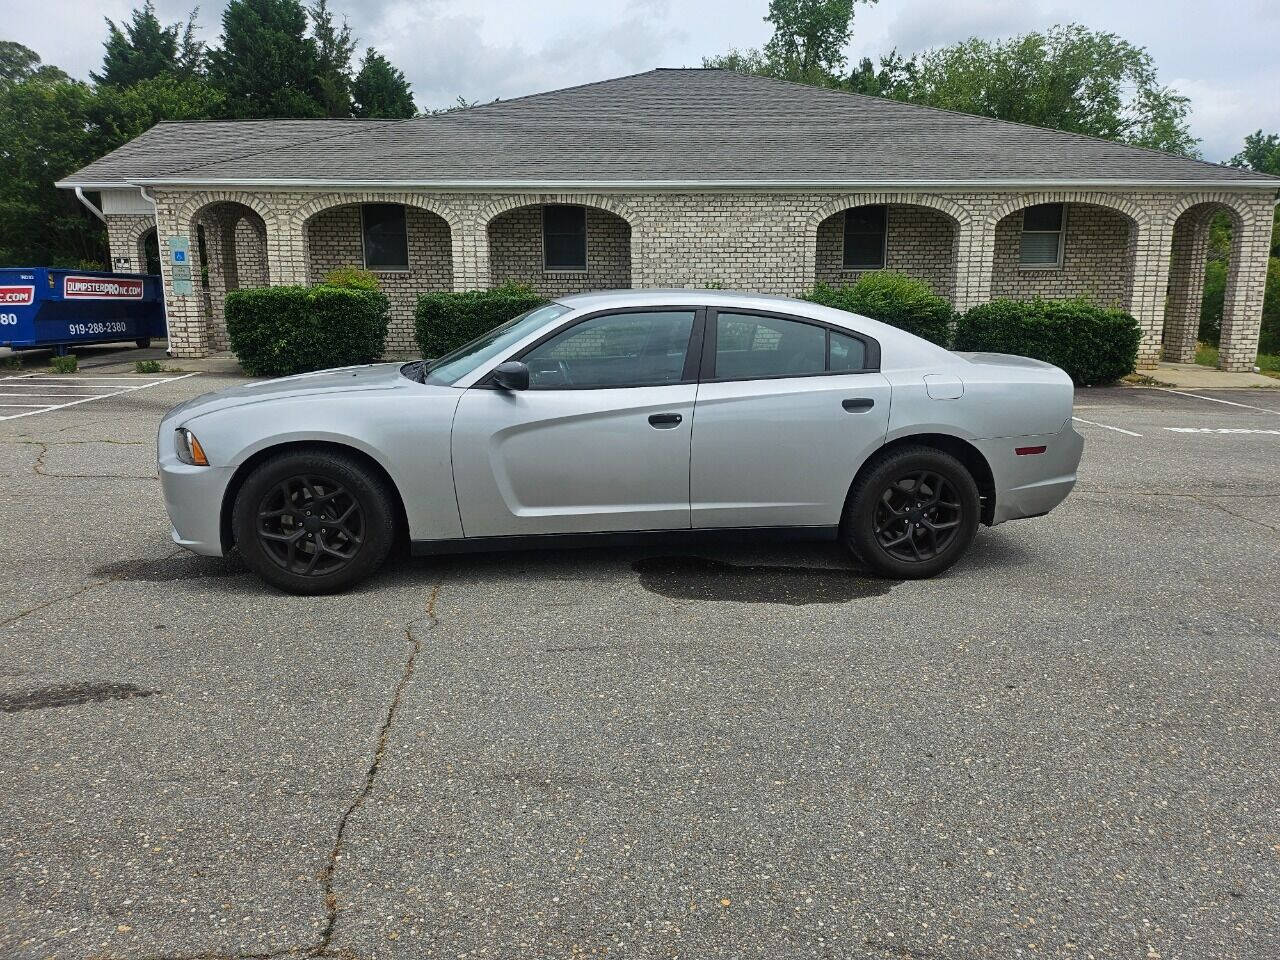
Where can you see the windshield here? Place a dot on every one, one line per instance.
(452, 367)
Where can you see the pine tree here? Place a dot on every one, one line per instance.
(267, 65)
(381, 90)
(143, 49)
(334, 47)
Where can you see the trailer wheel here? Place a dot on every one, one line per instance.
(143, 342)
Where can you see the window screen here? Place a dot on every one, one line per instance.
(564, 237)
(1041, 244)
(614, 350)
(386, 239)
(864, 237)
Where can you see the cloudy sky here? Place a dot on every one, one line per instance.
(1224, 56)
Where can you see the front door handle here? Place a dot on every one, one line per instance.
(854, 404)
(665, 421)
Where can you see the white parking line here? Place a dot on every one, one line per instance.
(1230, 403)
(1104, 426)
(40, 382)
(1273, 433)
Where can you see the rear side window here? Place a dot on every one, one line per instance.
(755, 347)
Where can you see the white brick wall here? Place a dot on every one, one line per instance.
(1119, 251)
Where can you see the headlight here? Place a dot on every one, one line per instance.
(189, 449)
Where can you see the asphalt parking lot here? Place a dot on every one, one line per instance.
(1066, 747)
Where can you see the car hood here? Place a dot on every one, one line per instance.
(362, 379)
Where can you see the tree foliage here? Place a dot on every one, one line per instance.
(334, 47)
(144, 48)
(380, 90)
(266, 64)
(1065, 78)
(807, 46)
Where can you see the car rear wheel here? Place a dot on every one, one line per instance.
(912, 514)
(313, 522)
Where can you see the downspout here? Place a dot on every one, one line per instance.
(164, 277)
(89, 203)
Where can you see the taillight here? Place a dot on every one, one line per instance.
(1029, 451)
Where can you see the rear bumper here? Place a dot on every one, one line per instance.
(1032, 484)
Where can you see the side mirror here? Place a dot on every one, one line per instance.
(512, 375)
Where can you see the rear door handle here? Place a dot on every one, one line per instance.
(665, 421)
(858, 403)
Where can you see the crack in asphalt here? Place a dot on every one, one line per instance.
(323, 946)
(37, 466)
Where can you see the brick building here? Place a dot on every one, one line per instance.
(679, 178)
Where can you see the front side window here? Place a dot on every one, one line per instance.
(865, 237)
(564, 237)
(614, 350)
(1042, 233)
(452, 367)
(386, 238)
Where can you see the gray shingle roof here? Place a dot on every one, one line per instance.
(684, 126)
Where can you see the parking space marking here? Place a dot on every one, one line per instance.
(1275, 433)
(1230, 403)
(12, 387)
(1105, 426)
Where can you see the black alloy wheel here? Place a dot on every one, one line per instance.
(310, 525)
(917, 516)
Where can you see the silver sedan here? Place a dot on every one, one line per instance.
(625, 416)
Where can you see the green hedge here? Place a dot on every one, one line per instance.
(277, 331)
(1093, 344)
(895, 299)
(444, 321)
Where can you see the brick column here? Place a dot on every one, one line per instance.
(975, 257)
(470, 250)
(1190, 249)
(188, 332)
(1246, 285)
(1151, 247)
(286, 252)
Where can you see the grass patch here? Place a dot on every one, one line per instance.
(67, 364)
(148, 366)
(1267, 363)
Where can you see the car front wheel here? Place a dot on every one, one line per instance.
(912, 514)
(313, 521)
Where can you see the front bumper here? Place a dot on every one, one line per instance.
(1031, 485)
(193, 500)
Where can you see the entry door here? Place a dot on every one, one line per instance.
(600, 440)
(786, 413)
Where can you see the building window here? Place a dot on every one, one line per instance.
(386, 238)
(1043, 228)
(564, 237)
(865, 237)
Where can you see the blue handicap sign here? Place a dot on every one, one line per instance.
(179, 256)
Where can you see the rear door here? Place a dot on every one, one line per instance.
(600, 440)
(787, 411)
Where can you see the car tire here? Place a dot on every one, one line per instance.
(142, 343)
(912, 513)
(313, 522)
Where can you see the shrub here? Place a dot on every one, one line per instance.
(1093, 344)
(148, 366)
(895, 299)
(277, 331)
(351, 278)
(1269, 341)
(67, 364)
(445, 321)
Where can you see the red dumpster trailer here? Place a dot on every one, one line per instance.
(52, 307)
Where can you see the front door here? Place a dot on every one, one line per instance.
(787, 412)
(600, 440)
